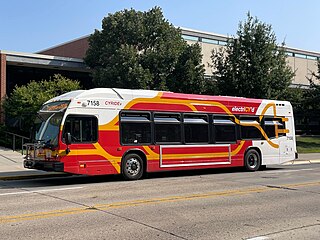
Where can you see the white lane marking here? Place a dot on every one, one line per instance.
(293, 170)
(40, 191)
(258, 238)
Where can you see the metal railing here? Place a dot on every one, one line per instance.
(16, 137)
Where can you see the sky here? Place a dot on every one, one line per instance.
(35, 25)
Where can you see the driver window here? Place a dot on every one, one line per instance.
(83, 129)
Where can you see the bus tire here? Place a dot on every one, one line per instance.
(132, 166)
(252, 160)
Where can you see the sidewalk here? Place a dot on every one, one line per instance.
(11, 165)
(305, 158)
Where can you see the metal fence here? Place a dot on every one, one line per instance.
(14, 141)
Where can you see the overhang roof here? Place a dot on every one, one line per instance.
(44, 61)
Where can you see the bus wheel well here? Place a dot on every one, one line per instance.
(255, 148)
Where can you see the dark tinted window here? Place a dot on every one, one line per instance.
(196, 128)
(271, 125)
(224, 129)
(83, 129)
(167, 128)
(249, 128)
(135, 128)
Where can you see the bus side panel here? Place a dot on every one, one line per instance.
(269, 154)
(93, 158)
(198, 157)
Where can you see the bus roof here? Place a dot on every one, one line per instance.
(129, 94)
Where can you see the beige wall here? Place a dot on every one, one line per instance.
(303, 69)
(302, 62)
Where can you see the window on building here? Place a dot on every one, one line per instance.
(222, 43)
(211, 41)
(167, 127)
(299, 55)
(83, 129)
(196, 128)
(224, 129)
(312, 57)
(190, 38)
(135, 128)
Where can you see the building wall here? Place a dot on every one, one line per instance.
(73, 49)
(3, 76)
(302, 62)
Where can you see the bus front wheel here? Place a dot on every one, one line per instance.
(252, 160)
(132, 167)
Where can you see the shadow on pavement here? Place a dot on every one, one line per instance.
(69, 180)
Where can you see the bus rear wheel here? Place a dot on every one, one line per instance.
(132, 167)
(252, 160)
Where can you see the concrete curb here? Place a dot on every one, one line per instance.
(32, 176)
(297, 162)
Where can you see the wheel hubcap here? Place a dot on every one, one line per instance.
(253, 161)
(133, 166)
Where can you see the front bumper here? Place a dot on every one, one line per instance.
(44, 165)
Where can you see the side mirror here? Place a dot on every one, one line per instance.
(67, 138)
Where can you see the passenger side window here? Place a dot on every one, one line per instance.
(271, 125)
(167, 127)
(135, 128)
(224, 129)
(196, 128)
(250, 128)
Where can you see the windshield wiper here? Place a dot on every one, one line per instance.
(40, 117)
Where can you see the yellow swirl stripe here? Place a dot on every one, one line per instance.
(115, 161)
(110, 126)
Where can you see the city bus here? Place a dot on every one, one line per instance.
(130, 132)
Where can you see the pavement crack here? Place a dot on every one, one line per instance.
(281, 187)
(88, 207)
(55, 197)
(141, 223)
(92, 208)
(291, 189)
(291, 229)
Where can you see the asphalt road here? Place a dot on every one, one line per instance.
(278, 203)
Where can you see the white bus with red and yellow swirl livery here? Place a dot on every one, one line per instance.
(131, 132)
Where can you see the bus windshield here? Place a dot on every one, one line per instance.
(47, 128)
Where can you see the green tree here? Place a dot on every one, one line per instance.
(252, 64)
(312, 96)
(310, 107)
(138, 49)
(24, 102)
